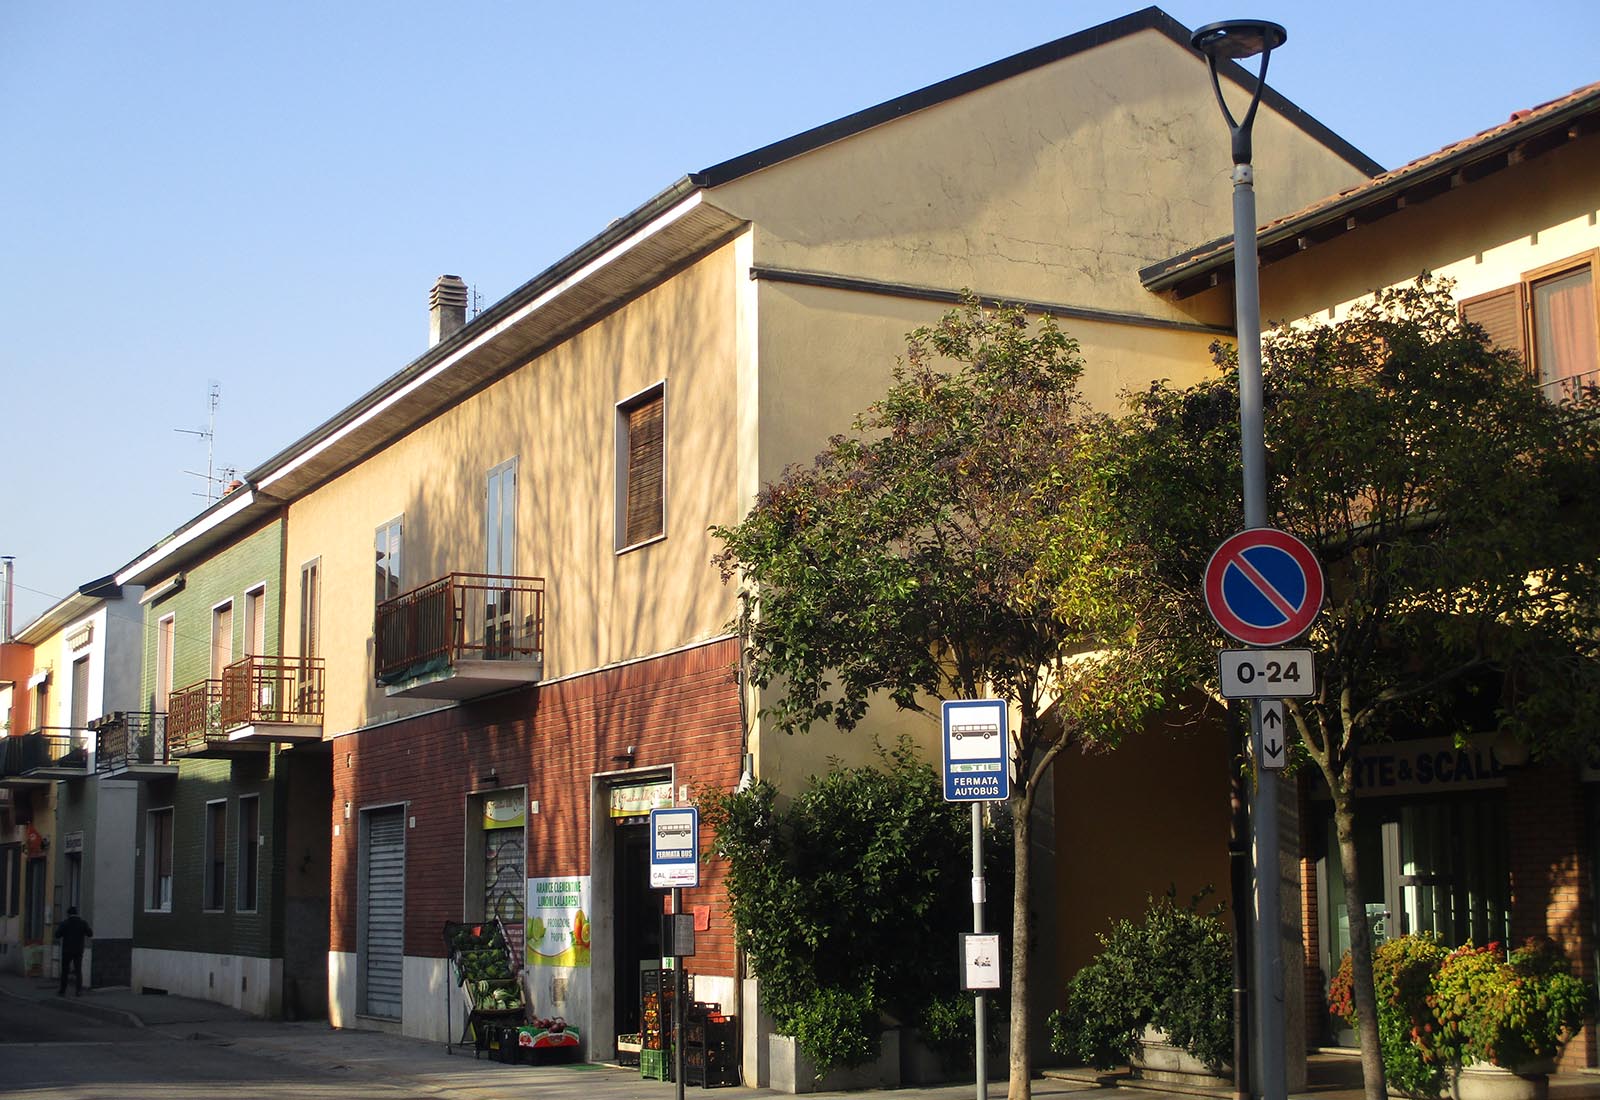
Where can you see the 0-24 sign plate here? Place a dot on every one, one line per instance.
(1267, 673)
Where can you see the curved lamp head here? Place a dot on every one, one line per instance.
(1235, 40)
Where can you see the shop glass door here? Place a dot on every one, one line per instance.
(1434, 865)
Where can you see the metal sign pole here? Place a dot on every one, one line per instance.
(677, 994)
(1264, 813)
(980, 1029)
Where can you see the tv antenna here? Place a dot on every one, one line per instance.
(477, 300)
(215, 480)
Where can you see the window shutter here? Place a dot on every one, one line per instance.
(1500, 313)
(646, 468)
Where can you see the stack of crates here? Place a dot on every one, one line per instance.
(710, 1047)
(655, 1021)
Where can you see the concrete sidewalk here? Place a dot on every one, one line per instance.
(376, 1054)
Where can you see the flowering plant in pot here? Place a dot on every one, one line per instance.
(1512, 1011)
(1403, 970)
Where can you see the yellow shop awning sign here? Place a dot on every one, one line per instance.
(504, 813)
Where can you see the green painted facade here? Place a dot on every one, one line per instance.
(255, 559)
(291, 788)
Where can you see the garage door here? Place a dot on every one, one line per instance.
(384, 915)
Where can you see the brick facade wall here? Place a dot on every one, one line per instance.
(1311, 931)
(1551, 883)
(681, 709)
(1551, 887)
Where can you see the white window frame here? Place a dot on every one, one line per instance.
(255, 619)
(215, 667)
(501, 536)
(620, 484)
(152, 860)
(393, 533)
(166, 644)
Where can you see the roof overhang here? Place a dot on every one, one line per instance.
(634, 254)
(1522, 139)
(216, 525)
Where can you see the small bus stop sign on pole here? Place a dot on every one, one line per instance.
(977, 751)
(674, 847)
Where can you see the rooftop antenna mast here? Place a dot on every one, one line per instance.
(214, 479)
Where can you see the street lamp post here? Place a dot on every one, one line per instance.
(1236, 40)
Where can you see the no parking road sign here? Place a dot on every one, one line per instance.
(1264, 586)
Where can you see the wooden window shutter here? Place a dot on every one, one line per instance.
(646, 471)
(1501, 314)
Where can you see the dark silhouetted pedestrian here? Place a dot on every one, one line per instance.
(70, 934)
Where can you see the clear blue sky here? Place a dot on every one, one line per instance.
(261, 195)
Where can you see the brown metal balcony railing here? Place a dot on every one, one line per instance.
(272, 690)
(194, 717)
(47, 749)
(460, 616)
(1571, 388)
(127, 738)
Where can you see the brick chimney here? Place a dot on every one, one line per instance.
(447, 308)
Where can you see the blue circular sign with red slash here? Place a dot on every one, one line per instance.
(1264, 586)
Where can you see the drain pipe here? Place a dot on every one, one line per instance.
(8, 561)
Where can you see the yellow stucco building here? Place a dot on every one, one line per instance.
(502, 553)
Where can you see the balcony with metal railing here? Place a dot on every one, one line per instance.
(194, 722)
(132, 744)
(44, 755)
(272, 699)
(258, 701)
(1573, 387)
(462, 636)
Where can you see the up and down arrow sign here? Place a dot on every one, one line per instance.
(1271, 744)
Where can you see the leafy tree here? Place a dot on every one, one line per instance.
(960, 543)
(1453, 508)
(848, 899)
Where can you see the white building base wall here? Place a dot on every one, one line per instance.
(251, 985)
(424, 983)
(425, 986)
(342, 989)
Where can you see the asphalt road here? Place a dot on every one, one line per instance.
(46, 1052)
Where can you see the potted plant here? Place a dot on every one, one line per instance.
(1158, 997)
(1504, 1018)
(1403, 970)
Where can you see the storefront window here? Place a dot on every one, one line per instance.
(1435, 865)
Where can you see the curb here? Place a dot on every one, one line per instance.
(104, 1013)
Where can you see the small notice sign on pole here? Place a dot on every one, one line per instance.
(980, 960)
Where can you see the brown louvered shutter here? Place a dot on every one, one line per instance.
(646, 468)
(1500, 313)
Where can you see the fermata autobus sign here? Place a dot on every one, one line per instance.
(977, 751)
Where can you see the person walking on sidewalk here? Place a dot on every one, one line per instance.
(70, 934)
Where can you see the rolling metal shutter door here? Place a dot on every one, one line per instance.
(385, 915)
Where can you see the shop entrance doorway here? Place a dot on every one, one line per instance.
(637, 919)
(505, 882)
(1436, 865)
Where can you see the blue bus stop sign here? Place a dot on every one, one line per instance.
(977, 751)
